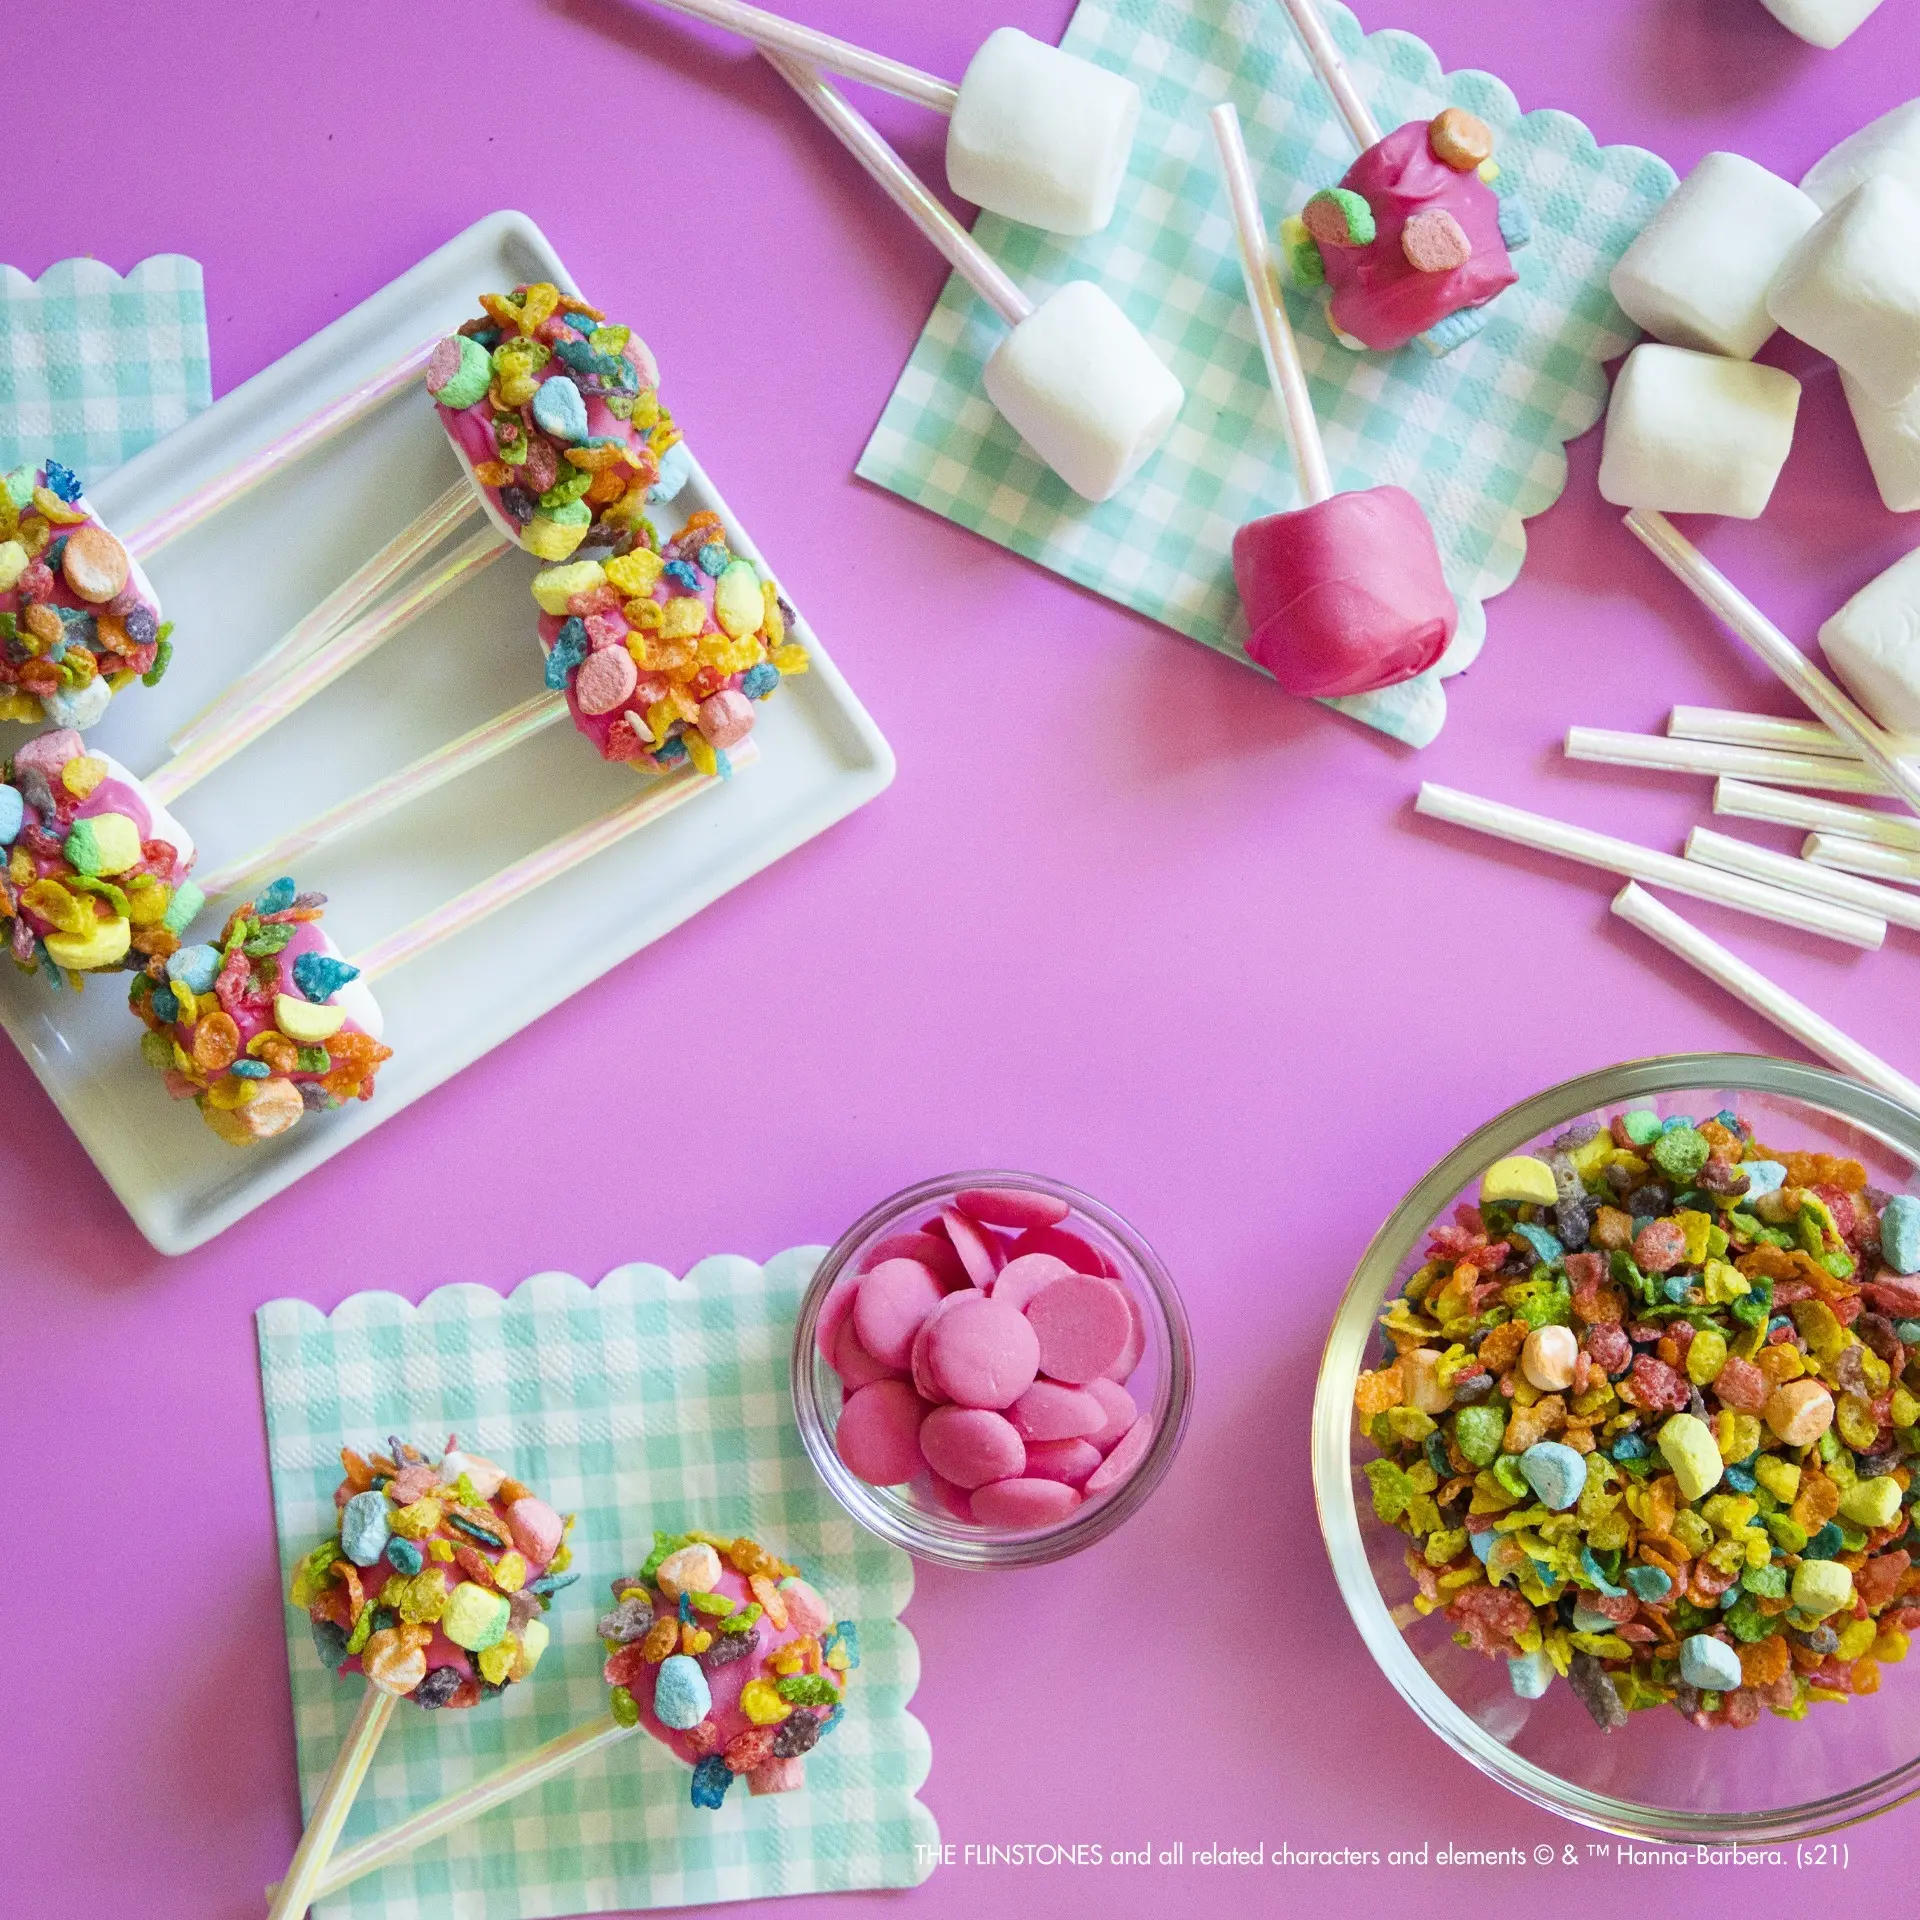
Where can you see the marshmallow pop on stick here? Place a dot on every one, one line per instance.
(1036, 134)
(1802, 678)
(79, 619)
(269, 1022)
(1413, 242)
(1075, 378)
(719, 1650)
(1346, 593)
(433, 1586)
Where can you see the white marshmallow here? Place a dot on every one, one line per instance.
(1821, 23)
(1851, 288)
(1873, 644)
(356, 1001)
(1698, 274)
(1891, 436)
(1040, 135)
(1890, 144)
(1080, 385)
(1693, 433)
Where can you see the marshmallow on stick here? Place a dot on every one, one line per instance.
(1036, 134)
(1413, 243)
(268, 1022)
(433, 1587)
(1858, 728)
(1346, 593)
(745, 1679)
(79, 619)
(1075, 378)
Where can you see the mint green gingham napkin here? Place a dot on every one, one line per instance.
(1477, 436)
(643, 1402)
(93, 367)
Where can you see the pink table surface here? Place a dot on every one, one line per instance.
(1173, 937)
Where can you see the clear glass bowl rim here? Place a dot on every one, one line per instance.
(933, 1537)
(1346, 1347)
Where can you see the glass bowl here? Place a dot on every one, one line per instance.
(910, 1517)
(1658, 1777)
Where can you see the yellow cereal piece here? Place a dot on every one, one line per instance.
(694, 1639)
(230, 1093)
(555, 586)
(1781, 1478)
(635, 573)
(416, 1521)
(1856, 1640)
(82, 774)
(147, 900)
(791, 658)
(13, 563)
(441, 1550)
(643, 616)
(510, 1573)
(682, 618)
(20, 706)
(661, 717)
(102, 944)
(51, 507)
(761, 1703)
(702, 755)
(1519, 1178)
(773, 623)
(533, 1643)
(549, 539)
(496, 1662)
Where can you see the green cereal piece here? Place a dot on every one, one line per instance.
(625, 1710)
(1506, 1469)
(716, 1604)
(1768, 1582)
(1788, 1535)
(1680, 1155)
(362, 1631)
(1447, 1544)
(1339, 217)
(162, 658)
(1300, 255)
(807, 1690)
(310, 1576)
(1477, 1432)
(1641, 1126)
(663, 1544)
(742, 1618)
(1392, 1490)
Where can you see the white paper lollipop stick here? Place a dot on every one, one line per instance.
(299, 1889)
(322, 667)
(1277, 344)
(474, 749)
(769, 31)
(1330, 64)
(1844, 889)
(1645, 864)
(1739, 800)
(1767, 730)
(906, 189)
(1834, 851)
(544, 1763)
(1748, 985)
(1755, 764)
(341, 606)
(1807, 683)
(312, 432)
(666, 795)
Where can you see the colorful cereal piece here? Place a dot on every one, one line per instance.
(1519, 1178)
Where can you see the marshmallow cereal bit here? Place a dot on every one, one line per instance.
(1891, 438)
(1079, 383)
(1890, 144)
(1692, 433)
(1873, 645)
(1699, 271)
(1040, 135)
(1821, 23)
(1851, 287)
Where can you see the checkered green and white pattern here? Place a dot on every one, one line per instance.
(93, 367)
(643, 1402)
(1477, 435)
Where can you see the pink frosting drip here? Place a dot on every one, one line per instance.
(1379, 296)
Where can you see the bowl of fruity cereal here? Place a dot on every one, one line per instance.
(1617, 1442)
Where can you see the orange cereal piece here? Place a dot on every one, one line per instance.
(1762, 1662)
(1816, 1503)
(662, 1637)
(1374, 1393)
(216, 1042)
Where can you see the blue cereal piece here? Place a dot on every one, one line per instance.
(676, 469)
(196, 968)
(1908, 1331)
(1763, 1176)
(681, 1696)
(276, 897)
(560, 409)
(1556, 1473)
(760, 681)
(1648, 1583)
(318, 976)
(1457, 329)
(329, 1642)
(1900, 1233)
(711, 1779)
(685, 575)
(1544, 1245)
(845, 1634)
(1709, 1664)
(364, 1532)
(13, 810)
(1594, 1572)
(250, 1070)
(1530, 1674)
(1482, 1544)
(1586, 1620)
(714, 559)
(1516, 221)
(403, 1556)
(166, 1006)
(569, 649)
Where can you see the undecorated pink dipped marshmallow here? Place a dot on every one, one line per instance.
(1020, 1279)
(1068, 1461)
(879, 1433)
(1083, 1327)
(1049, 1411)
(1120, 1463)
(934, 1252)
(856, 1367)
(1120, 1411)
(1012, 1207)
(1019, 1504)
(833, 1313)
(983, 1353)
(980, 1252)
(894, 1298)
(970, 1445)
(1076, 1252)
(1122, 1369)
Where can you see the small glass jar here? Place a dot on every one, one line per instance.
(910, 1517)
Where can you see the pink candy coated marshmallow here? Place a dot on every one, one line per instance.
(1083, 1327)
(894, 1299)
(1016, 1505)
(1012, 1207)
(970, 1445)
(984, 1353)
(981, 1254)
(1049, 1411)
(879, 1433)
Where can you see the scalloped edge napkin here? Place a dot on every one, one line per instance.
(1477, 435)
(643, 1402)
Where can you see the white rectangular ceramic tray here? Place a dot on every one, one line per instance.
(239, 581)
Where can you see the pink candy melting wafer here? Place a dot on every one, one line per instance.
(1120, 1463)
(984, 1353)
(834, 1310)
(1049, 1411)
(980, 1255)
(934, 1252)
(1070, 1462)
(971, 1446)
(1011, 1207)
(1131, 1355)
(856, 1367)
(1076, 1254)
(894, 1299)
(1082, 1327)
(1020, 1279)
(1121, 1413)
(1016, 1505)
(879, 1432)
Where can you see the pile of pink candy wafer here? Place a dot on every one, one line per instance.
(984, 1358)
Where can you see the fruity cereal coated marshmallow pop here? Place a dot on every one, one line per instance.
(433, 1586)
(1345, 594)
(1650, 1420)
(717, 1648)
(79, 620)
